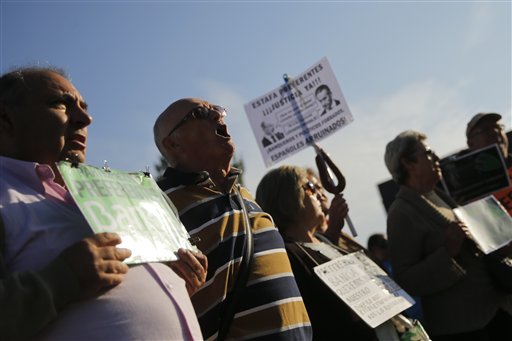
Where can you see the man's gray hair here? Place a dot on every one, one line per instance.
(402, 147)
(13, 86)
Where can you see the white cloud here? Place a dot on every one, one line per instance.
(479, 25)
(429, 106)
(221, 93)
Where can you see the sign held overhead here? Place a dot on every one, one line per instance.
(302, 111)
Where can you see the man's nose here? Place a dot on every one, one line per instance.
(80, 116)
(217, 116)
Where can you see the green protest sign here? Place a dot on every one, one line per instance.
(130, 204)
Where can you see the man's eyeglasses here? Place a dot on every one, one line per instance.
(200, 113)
(488, 130)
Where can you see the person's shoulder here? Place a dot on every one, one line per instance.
(400, 204)
(246, 194)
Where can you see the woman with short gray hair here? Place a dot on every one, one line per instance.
(430, 254)
(403, 146)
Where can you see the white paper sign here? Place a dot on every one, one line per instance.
(298, 113)
(489, 223)
(364, 287)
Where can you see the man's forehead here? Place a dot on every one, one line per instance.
(51, 82)
(176, 111)
(187, 104)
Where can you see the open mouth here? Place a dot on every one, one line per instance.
(77, 141)
(222, 131)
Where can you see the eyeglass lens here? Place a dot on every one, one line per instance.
(310, 186)
(200, 113)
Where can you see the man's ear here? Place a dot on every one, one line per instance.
(407, 164)
(470, 143)
(8, 138)
(172, 145)
(6, 121)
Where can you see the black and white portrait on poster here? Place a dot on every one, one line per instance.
(300, 112)
(271, 134)
(323, 95)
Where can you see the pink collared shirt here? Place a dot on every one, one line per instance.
(51, 188)
(40, 220)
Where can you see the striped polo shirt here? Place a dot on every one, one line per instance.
(271, 306)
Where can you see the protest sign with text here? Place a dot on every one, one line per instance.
(474, 174)
(302, 111)
(364, 287)
(130, 204)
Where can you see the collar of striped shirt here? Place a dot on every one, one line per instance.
(173, 177)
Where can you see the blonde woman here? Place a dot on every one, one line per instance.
(295, 204)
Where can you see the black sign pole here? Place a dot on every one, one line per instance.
(327, 169)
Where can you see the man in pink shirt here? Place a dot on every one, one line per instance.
(58, 280)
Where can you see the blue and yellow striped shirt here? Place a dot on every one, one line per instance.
(271, 306)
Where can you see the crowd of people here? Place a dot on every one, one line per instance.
(253, 278)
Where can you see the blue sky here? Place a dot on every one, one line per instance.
(426, 65)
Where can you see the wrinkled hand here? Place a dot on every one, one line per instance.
(97, 262)
(455, 234)
(337, 213)
(192, 267)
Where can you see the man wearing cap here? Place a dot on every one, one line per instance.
(192, 135)
(483, 130)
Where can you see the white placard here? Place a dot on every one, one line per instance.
(488, 222)
(302, 111)
(364, 287)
